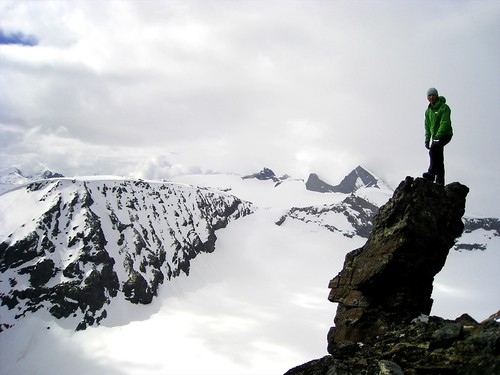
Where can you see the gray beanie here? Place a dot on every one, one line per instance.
(432, 91)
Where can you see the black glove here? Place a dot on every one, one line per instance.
(427, 144)
(436, 143)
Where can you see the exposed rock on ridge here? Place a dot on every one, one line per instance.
(264, 174)
(267, 174)
(384, 294)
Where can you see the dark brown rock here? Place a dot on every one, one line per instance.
(389, 280)
(410, 348)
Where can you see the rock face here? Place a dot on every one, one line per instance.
(384, 294)
(314, 183)
(389, 280)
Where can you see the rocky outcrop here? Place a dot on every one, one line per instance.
(424, 347)
(389, 280)
(384, 295)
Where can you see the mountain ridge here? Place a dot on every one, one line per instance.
(82, 248)
(358, 177)
(53, 208)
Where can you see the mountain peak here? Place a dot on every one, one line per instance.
(11, 177)
(267, 174)
(49, 174)
(359, 177)
(264, 174)
(11, 171)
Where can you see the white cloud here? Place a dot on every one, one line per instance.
(241, 85)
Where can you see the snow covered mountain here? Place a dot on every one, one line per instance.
(355, 217)
(70, 245)
(116, 253)
(12, 177)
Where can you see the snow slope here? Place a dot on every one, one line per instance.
(257, 305)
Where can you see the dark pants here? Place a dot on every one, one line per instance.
(436, 154)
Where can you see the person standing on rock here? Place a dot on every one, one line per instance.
(438, 133)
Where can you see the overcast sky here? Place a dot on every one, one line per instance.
(152, 89)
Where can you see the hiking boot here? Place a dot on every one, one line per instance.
(428, 176)
(439, 180)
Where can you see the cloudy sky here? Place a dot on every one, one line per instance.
(154, 89)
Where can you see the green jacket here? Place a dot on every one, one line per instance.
(438, 120)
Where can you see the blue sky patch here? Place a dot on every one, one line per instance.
(18, 38)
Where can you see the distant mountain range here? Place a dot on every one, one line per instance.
(11, 177)
(71, 245)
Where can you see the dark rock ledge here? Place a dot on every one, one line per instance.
(384, 295)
